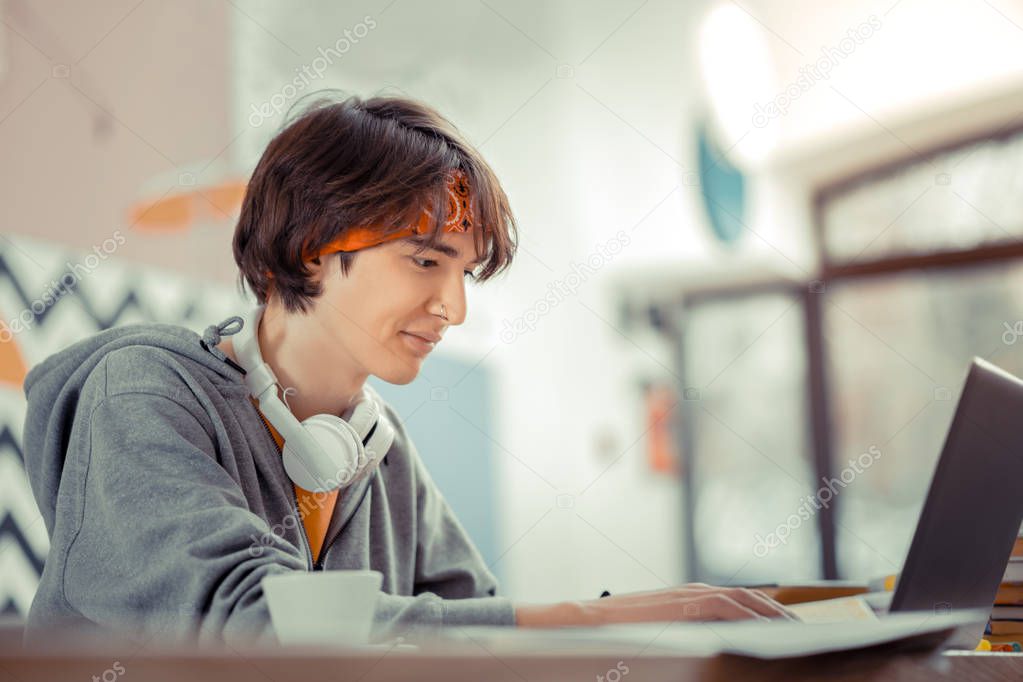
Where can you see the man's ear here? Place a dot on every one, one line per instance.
(319, 267)
(315, 266)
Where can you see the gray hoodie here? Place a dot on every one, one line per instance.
(166, 503)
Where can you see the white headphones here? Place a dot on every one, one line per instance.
(325, 452)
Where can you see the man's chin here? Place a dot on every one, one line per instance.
(401, 374)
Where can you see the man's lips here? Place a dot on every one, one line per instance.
(430, 337)
(419, 345)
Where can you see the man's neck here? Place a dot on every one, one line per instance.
(296, 356)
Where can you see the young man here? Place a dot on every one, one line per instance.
(163, 475)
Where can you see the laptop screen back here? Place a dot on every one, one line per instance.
(974, 507)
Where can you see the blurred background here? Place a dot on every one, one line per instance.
(760, 242)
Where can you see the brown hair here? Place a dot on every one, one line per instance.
(341, 164)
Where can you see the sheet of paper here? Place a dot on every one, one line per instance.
(834, 610)
(775, 639)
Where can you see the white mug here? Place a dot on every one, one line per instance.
(335, 608)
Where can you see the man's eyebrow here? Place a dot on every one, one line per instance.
(446, 249)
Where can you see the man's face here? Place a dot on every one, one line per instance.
(389, 292)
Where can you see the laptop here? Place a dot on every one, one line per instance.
(974, 507)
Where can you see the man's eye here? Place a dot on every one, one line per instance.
(427, 263)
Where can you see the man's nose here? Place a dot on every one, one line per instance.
(453, 298)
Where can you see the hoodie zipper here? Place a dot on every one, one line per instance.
(318, 566)
(305, 541)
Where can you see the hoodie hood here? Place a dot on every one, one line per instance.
(53, 387)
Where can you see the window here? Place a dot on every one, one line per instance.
(851, 379)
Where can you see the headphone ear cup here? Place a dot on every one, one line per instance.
(338, 462)
(383, 437)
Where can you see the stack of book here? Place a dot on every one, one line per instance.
(1005, 628)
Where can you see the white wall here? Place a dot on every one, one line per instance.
(99, 99)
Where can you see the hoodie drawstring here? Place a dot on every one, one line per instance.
(212, 336)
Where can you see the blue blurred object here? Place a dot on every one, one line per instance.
(449, 418)
(723, 188)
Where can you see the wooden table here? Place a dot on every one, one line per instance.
(266, 665)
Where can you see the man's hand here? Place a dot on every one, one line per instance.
(690, 602)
